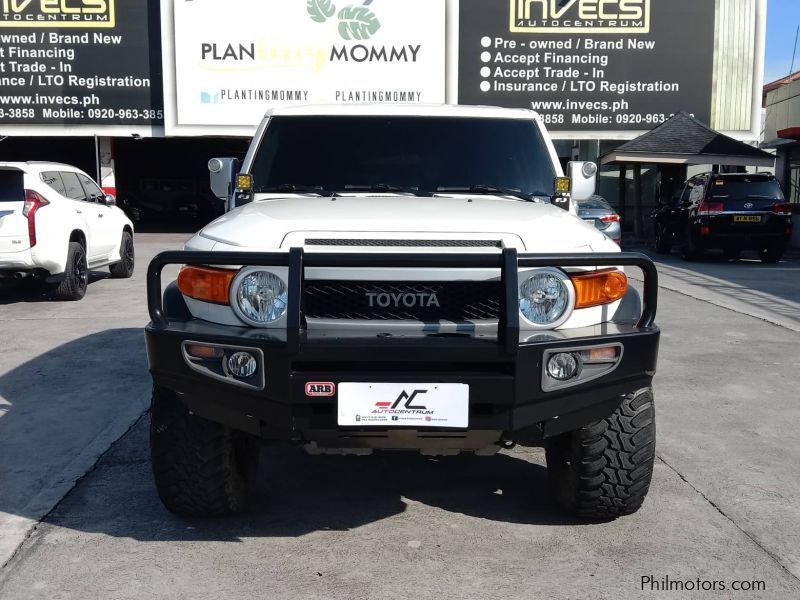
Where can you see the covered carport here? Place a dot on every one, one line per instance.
(672, 147)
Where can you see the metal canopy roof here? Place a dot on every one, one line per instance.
(683, 140)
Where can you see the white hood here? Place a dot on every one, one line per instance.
(267, 223)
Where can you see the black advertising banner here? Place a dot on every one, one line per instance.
(589, 65)
(80, 62)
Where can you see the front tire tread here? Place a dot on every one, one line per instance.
(124, 268)
(198, 464)
(603, 470)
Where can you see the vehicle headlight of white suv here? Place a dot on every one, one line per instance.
(259, 297)
(546, 298)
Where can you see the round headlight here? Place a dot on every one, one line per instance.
(261, 297)
(545, 298)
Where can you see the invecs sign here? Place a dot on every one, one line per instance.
(86, 14)
(580, 16)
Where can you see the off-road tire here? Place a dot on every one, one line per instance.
(124, 268)
(76, 276)
(663, 245)
(603, 470)
(771, 256)
(201, 468)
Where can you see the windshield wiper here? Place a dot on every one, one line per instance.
(385, 187)
(292, 189)
(494, 191)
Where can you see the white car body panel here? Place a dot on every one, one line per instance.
(100, 225)
(278, 222)
(267, 221)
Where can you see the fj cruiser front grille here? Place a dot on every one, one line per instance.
(407, 243)
(429, 301)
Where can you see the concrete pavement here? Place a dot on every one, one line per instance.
(70, 385)
(768, 292)
(391, 526)
(724, 505)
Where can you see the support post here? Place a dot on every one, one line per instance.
(638, 225)
(623, 188)
(97, 170)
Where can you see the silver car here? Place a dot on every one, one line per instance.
(605, 218)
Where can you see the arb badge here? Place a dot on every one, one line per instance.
(317, 389)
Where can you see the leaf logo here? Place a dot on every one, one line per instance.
(320, 10)
(356, 22)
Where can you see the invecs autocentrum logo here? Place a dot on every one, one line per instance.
(86, 14)
(355, 22)
(580, 16)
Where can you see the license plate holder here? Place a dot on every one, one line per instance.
(418, 405)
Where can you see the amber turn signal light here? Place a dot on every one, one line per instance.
(206, 284)
(203, 351)
(599, 287)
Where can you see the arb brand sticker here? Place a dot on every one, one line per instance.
(320, 389)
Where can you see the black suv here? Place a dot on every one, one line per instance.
(727, 212)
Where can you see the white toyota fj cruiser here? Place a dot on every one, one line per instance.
(402, 277)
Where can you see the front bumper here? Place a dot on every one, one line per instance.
(503, 371)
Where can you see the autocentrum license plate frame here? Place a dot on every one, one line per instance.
(418, 405)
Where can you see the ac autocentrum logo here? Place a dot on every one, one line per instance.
(86, 14)
(580, 16)
(355, 22)
(408, 405)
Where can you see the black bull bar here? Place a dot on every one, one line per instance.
(509, 263)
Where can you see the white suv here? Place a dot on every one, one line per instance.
(402, 278)
(56, 224)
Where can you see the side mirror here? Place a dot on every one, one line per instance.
(584, 180)
(223, 174)
(109, 200)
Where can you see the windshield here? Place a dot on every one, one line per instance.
(11, 186)
(746, 187)
(404, 154)
(594, 203)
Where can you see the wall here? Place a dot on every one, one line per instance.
(734, 98)
(783, 112)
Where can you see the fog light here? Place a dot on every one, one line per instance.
(243, 365)
(564, 366)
